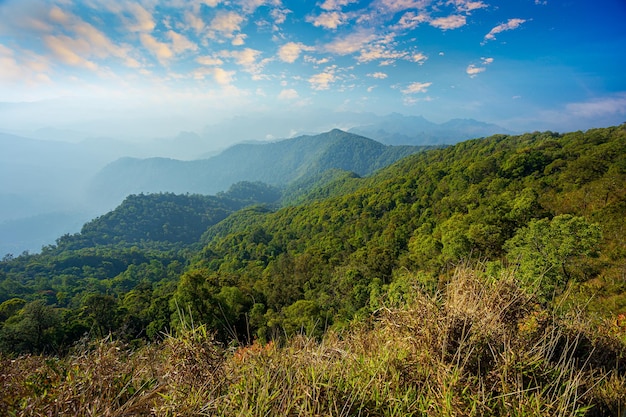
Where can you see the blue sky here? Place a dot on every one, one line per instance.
(523, 64)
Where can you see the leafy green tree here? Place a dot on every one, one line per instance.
(32, 329)
(546, 249)
(103, 313)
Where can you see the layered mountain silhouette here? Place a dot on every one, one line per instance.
(398, 129)
(275, 163)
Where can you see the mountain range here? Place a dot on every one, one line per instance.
(276, 163)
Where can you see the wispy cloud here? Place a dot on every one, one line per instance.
(411, 20)
(209, 61)
(336, 4)
(511, 24)
(345, 45)
(467, 5)
(474, 69)
(328, 20)
(246, 58)
(26, 68)
(322, 80)
(604, 106)
(416, 87)
(449, 22)
(180, 43)
(160, 50)
(194, 21)
(226, 23)
(143, 20)
(288, 94)
(379, 75)
(394, 6)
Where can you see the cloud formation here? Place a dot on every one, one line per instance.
(449, 22)
(511, 24)
(322, 80)
(416, 87)
(473, 69)
(290, 51)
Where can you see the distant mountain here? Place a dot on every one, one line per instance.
(275, 163)
(397, 129)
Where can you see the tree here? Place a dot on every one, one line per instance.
(31, 329)
(546, 249)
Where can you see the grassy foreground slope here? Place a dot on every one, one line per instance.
(481, 347)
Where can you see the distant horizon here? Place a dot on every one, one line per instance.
(76, 132)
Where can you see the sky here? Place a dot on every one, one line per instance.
(177, 65)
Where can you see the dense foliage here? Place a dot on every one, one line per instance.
(551, 206)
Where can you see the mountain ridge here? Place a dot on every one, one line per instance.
(276, 163)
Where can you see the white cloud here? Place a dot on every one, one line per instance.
(65, 48)
(180, 43)
(472, 70)
(279, 15)
(379, 52)
(159, 49)
(239, 39)
(323, 80)
(144, 22)
(249, 6)
(246, 58)
(315, 61)
(379, 75)
(288, 94)
(222, 76)
(420, 58)
(81, 41)
(227, 23)
(394, 6)
(10, 69)
(351, 43)
(510, 25)
(467, 5)
(290, 51)
(195, 22)
(336, 4)
(450, 22)
(410, 20)
(416, 87)
(328, 20)
(59, 16)
(209, 61)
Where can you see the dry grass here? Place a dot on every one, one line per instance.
(480, 347)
